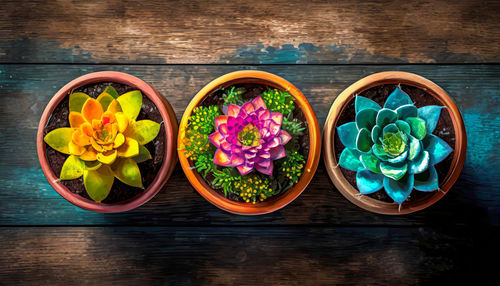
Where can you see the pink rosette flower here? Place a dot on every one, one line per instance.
(249, 137)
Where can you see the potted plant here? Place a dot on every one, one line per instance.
(249, 142)
(106, 142)
(394, 143)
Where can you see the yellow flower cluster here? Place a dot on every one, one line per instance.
(292, 166)
(202, 119)
(278, 101)
(200, 125)
(253, 188)
(195, 144)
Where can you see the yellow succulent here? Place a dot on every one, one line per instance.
(104, 140)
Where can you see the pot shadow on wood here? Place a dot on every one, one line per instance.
(243, 255)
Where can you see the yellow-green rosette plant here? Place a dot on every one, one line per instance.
(104, 140)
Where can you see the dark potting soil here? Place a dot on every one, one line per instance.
(120, 192)
(253, 91)
(444, 130)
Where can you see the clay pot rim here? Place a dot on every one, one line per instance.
(393, 77)
(169, 160)
(274, 203)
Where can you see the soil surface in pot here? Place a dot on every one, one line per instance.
(253, 91)
(120, 191)
(420, 97)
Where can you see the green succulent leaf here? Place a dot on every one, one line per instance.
(394, 143)
(403, 126)
(131, 103)
(349, 159)
(394, 171)
(417, 127)
(348, 133)
(72, 168)
(112, 91)
(143, 156)
(408, 110)
(400, 158)
(362, 103)
(415, 147)
(427, 181)
(386, 116)
(105, 100)
(369, 182)
(144, 131)
(366, 118)
(419, 164)
(397, 98)
(376, 131)
(92, 165)
(59, 139)
(370, 162)
(76, 101)
(378, 151)
(127, 171)
(399, 190)
(390, 128)
(364, 141)
(431, 115)
(98, 182)
(438, 149)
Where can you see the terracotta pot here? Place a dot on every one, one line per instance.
(273, 203)
(334, 171)
(170, 124)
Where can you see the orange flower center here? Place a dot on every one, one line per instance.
(104, 132)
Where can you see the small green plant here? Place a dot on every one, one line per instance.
(393, 147)
(233, 95)
(278, 101)
(293, 126)
(204, 164)
(200, 125)
(225, 179)
(292, 166)
(202, 119)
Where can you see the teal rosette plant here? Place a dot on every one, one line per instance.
(393, 147)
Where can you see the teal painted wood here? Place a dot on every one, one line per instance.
(260, 32)
(26, 198)
(248, 256)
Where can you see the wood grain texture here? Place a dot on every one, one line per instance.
(256, 32)
(27, 198)
(246, 256)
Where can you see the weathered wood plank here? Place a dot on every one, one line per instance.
(27, 198)
(246, 256)
(253, 32)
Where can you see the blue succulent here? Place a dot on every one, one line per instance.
(393, 147)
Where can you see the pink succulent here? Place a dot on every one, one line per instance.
(249, 137)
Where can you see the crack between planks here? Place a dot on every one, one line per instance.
(251, 64)
(221, 226)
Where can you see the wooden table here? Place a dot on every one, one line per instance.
(321, 47)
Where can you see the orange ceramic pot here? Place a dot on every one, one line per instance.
(334, 171)
(170, 124)
(273, 203)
